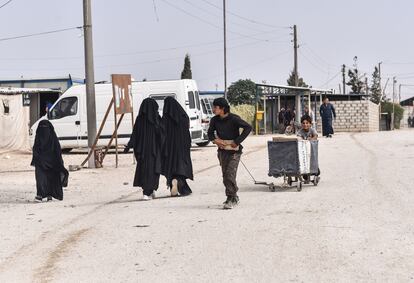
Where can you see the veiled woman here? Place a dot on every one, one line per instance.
(176, 158)
(146, 142)
(50, 172)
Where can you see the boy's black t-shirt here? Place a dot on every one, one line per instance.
(228, 128)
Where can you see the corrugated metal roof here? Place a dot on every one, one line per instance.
(18, 90)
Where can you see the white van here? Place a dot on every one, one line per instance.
(68, 113)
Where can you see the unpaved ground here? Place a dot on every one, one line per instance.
(356, 226)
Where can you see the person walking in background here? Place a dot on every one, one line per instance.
(327, 112)
(288, 116)
(175, 153)
(281, 120)
(224, 131)
(50, 173)
(146, 141)
(309, 113)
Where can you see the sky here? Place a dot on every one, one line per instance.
(149, 39)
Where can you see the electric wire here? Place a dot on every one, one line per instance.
(38, 34)
(245, 18)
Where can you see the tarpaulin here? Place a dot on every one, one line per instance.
(14, 125)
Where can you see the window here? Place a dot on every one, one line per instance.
(191, 100)
(65, 107)
(197, 100)
(203, 106)
(205, 103)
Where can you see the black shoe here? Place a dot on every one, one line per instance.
(49, 198)
(234, 201)
(38, 199)
(227, 200)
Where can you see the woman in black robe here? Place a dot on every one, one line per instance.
(327, 111)
(146, 142)
(50, 172)
(176, 157)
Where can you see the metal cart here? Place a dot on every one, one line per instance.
(294, 160)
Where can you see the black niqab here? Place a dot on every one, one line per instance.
(176, 156)
(51, 174)
(146, 141)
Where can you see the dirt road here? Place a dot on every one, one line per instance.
(356, 226)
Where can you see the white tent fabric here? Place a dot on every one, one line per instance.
(14, 126)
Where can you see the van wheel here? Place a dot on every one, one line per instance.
(203, 143)
(66, 150)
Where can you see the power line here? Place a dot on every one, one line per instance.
(5, 4)
(148, 51)
(39, 34)
(167, 59)
(245, 18)
(398, 63)
(247, 66)
(324, 62)
(180, 57)
(400, 74)
(331, 79)
(209, 23)
(155, 11)
(310, 62)
(215, 15)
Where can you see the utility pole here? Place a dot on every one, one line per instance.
(343, 78)
(394, 81)
(399, 93)
(298, 98)
(382, 95)
(379, 74)
(295, 52)
(225, 49)
(90, 79)
(366, 86)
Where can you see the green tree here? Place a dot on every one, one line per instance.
(291, 80)
(386, 106)
(242, 92)
(375, 87)
(354, 81)
(186, 73)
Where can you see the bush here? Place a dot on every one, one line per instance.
(245, 111)
(398, 112)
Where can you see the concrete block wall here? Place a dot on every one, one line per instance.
(354, 116)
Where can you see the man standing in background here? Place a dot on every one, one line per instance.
(327, 111)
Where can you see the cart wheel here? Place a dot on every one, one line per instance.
(289, 181)
(299, 186)
(316, 180)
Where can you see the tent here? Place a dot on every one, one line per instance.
(19, 109)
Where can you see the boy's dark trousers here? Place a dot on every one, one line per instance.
(229, 161)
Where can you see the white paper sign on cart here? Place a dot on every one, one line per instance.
(304, 150)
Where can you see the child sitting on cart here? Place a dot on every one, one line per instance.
(307, 132)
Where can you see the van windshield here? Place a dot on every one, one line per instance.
(159, 98)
